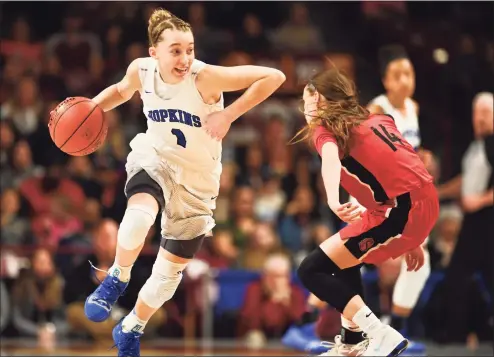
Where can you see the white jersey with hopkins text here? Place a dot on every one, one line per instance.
(175, 114)
(407, 124)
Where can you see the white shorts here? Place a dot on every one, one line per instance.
(189, 196)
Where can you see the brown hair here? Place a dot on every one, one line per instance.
(340, 112)
(162, 20)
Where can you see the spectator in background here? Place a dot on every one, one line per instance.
(319, 233)
(25, 107)
(278, 155)
(114, 150)
(444, 242)
(37, 296)
(78, 52)
(85, 280)
(270, 200)
(39, 191)
(253, 39)
(473, 251)
(219, 250)
(210, 44)
(22, 167)
(15, 229)
(73, 247)
(51, 82)
(294, 225)
(223, 202)
(20, 46)
(60, 221)
(81, 171)
(113, 50)
(11, 75)
(45, 152)
(134, 51)
(262, 242)
(242, 221)
(297, 35)
(254, 170)
(273, 303)
(300, 175)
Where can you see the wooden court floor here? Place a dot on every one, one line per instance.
(165, 348)
(13, 348)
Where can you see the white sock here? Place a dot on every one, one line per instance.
(349, 325)
(132, 323)
(367, 320)
(122, 273)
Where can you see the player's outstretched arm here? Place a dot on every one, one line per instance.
(121, 92)
(260, 81)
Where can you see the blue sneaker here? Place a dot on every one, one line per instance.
(128, 344)
(304, 339)
(99, 304)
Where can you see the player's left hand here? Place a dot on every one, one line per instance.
(217, 124)
(348, 212)
(415, 259)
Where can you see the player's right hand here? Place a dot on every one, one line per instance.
(348, 212)
(415, 259)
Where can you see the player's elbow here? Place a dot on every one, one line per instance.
(277, 77)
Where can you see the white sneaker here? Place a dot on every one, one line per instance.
(386, 342)
(338, 348)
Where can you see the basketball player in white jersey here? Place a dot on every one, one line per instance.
(398, 78)
(174, 167)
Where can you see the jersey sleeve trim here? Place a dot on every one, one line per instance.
(321, 137)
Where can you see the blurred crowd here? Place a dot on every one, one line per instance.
(59, 212)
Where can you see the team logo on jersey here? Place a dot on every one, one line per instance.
(366, 244)
(174, 116)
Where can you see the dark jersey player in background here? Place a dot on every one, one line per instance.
(367, 155)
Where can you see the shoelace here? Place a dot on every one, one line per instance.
(359, 347)
(127, 337)
(111, 287)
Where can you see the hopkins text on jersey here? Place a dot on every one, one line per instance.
(174, 116)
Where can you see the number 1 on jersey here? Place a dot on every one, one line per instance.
(180, 137)
(388, 138)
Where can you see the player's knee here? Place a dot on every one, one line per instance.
(317, 261)
(305, 269)
(135, 226)
(163, 282)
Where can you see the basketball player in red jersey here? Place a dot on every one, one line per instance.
(367, 155)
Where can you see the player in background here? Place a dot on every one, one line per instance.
(382, 171)
(174, 167)
(398, 78)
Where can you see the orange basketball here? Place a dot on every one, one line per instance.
(77, 126)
